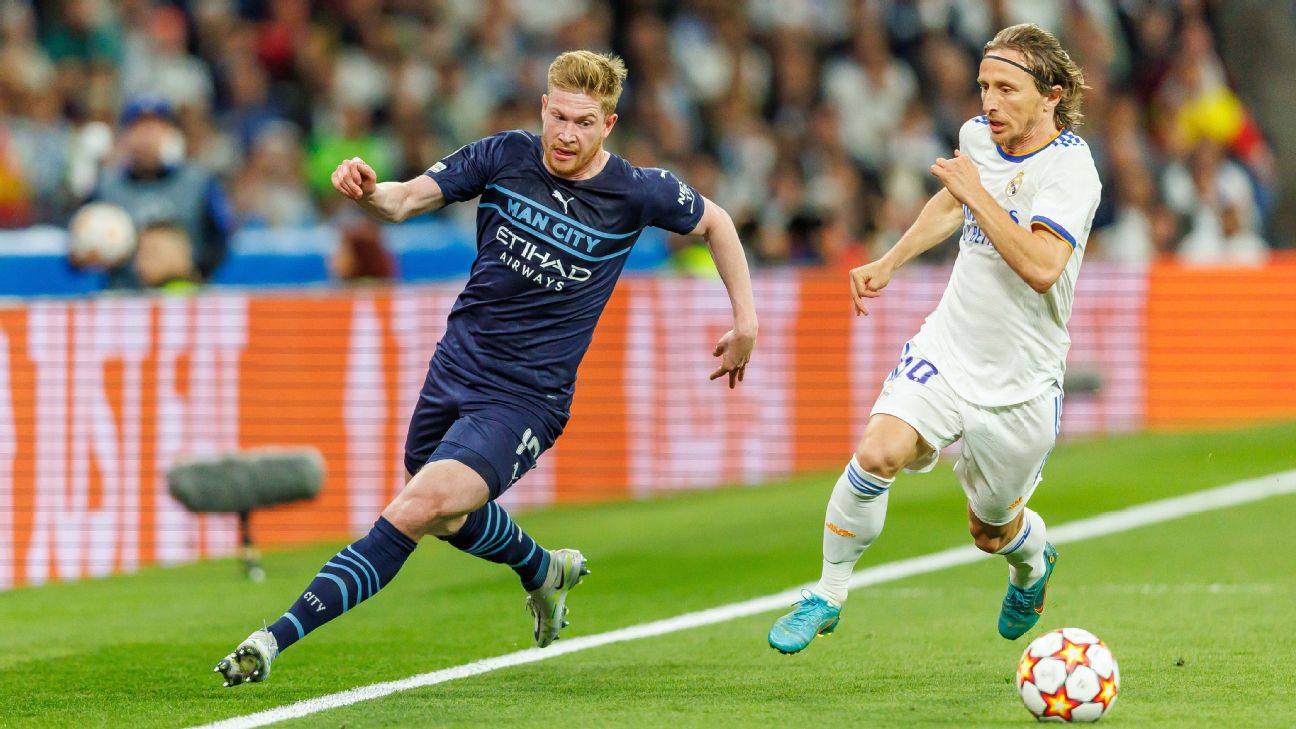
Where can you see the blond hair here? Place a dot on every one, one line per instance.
(1045, 58)
(598, 75)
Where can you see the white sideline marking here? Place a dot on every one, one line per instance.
(1153, 512)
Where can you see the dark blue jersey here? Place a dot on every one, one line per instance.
(549, 252)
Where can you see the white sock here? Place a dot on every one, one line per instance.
(1025, 554)
(856, 513)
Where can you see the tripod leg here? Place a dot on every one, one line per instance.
(251, 555)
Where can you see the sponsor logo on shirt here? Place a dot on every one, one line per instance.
(686, 195)
(540, 264)
(972, 233)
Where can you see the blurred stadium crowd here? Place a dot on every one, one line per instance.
(812, 121)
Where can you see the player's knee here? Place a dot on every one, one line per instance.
(981, 537)
(879, 461)
(422, 508)
(989, 539)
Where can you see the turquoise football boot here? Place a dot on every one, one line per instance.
(812, 617)
(1022, 607)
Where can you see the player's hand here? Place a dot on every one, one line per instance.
(867, 282)
(355, 179)
(959, 175)
(734, 350)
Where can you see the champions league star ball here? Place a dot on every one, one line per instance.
(1068, 675)
(102, 235)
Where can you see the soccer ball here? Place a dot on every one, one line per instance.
(101, 235)
(1068, 675)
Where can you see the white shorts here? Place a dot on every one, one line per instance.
(1004, 448)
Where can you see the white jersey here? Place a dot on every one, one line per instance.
(997, 341)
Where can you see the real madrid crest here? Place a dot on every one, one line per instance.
(1015, 184)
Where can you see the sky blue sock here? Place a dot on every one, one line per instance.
(489, 533)
(353, 575)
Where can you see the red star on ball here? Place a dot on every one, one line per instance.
(1106, 691)
(1059, 704)
(1073, 654)
(1026, 668)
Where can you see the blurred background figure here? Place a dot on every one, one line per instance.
(360, 256)
(157, 59)
(81, 33)
(270, 190)
(1215, 198)
(154, 182)
(164, 259)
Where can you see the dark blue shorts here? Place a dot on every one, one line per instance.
(498, 438)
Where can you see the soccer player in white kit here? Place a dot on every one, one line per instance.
(987, 365)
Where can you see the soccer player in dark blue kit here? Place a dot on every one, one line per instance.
(557, 217)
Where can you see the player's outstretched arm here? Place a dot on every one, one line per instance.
(940, 217)
(1038, 256)
(390, 201)
(735, 347)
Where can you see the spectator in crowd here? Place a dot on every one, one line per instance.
(248, 104)
(164, 259)
(1201, 106)
(157, 60)
(206, 145)
(270, 190)
(717, 55)
(33, 143)
(155, 184)
(82, 32)
(747, 152)
(949, 83)
(15, 198)
(662, 104)
(348, 133)
(870, 90)
(1143, 228)
(1215, 198)
(360, 256)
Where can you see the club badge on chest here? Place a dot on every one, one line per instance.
(1014, 184)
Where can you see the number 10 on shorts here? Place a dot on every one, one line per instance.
(915, 368)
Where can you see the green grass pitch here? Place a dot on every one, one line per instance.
(1200, 612)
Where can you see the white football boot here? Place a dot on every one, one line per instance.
(548, 603)
(250, 661)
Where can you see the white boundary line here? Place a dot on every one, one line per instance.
(1153, 512)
